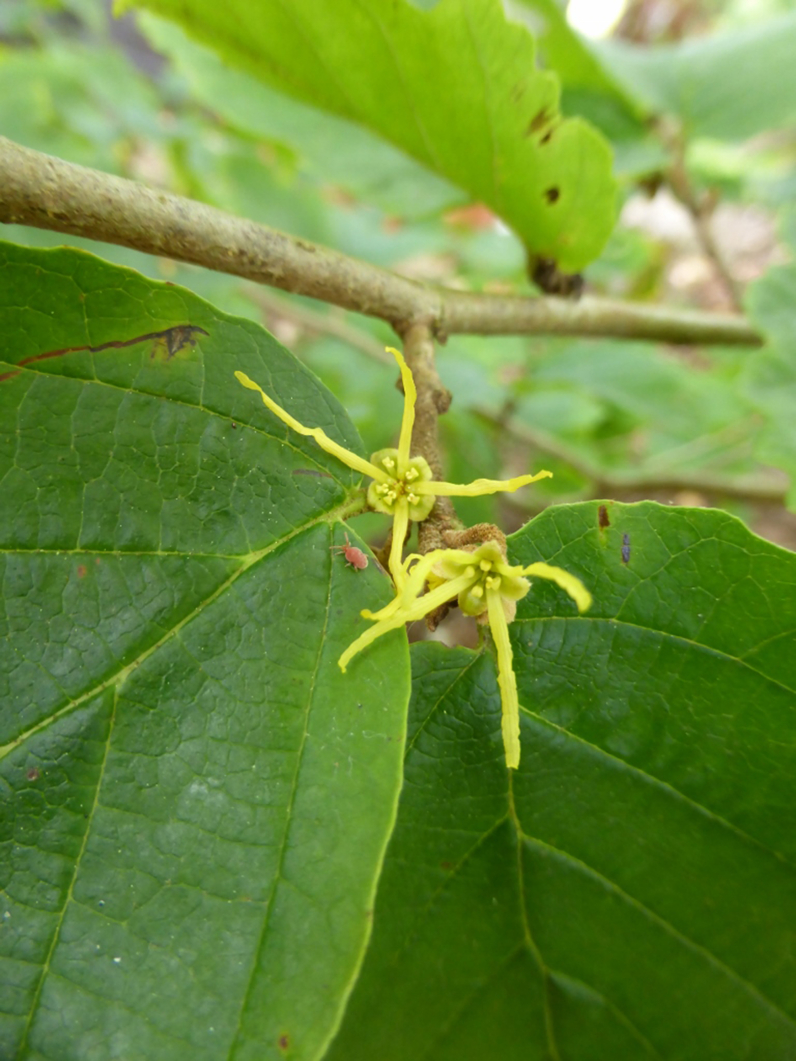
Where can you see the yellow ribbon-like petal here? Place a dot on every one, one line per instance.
(569, 583)
(399, 529)
(507, 683)
(408, 419)
(479, 486)
(353, 460)
(409, 614)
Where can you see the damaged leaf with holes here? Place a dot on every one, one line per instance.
(455, 87)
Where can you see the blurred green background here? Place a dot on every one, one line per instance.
(698, 99)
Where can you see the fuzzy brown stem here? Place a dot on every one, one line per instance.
(433, 399)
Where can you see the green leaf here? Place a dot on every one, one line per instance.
(455, 87)
(729, 86)
(329, 149)
(629, 891)
(195, 801)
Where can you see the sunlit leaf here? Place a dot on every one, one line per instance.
(455, 87)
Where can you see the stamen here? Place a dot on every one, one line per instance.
(411, 475)
(486, 565)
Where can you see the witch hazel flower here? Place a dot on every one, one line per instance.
(486, 586)
(479, 577)
(402, 486)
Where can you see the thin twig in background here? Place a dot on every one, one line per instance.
(701, 210)
(760, 486)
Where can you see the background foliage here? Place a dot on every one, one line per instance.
(196, 804)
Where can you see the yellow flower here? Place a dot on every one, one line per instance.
(403, 486)
(486, 586)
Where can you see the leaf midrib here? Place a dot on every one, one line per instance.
(235, 1038)
(664, 636)
(282, 440)
(119, 676)
(681, 937)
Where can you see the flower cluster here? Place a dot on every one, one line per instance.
(479, 577)
(487, 587)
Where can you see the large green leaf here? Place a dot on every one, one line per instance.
(195, 802)
(729, 86)
(455, 87)
(330, 148)
(629, 892)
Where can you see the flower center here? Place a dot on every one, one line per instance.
(401, 485)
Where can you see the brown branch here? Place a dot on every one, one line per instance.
(432, 401)
(49, 193)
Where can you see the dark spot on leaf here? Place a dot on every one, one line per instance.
(174, 339)
(545, 274)
(548, 136)
(446, 865)
(81, 570)
(284, 1042)
(234, 425)
(602, 517)
(33, 774)
(552, 195)
(625, 548)
(539, 121)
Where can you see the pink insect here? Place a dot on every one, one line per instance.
(354, 557)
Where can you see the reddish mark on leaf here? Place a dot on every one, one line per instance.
(33, 774)
(174, 339)
(625, 548)
(602, 517)
(283, 1042)
(81, 570)
(97, 561)
(446, 865)
(552, 195)
(354, 557)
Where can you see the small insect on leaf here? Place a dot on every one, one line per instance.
(625, 548)
(354, 557)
